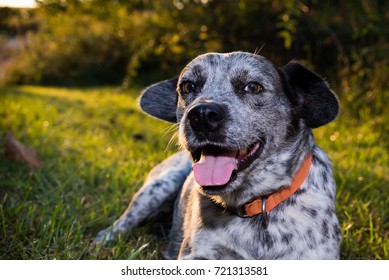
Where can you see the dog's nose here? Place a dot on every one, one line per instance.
(205, 117)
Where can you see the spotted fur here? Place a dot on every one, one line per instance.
(293, 100)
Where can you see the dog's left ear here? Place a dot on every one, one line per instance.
(310, 95)
(160, 100)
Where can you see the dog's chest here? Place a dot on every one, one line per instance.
(241, 238)
(291, 234)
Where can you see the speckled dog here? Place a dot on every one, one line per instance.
(250, 183)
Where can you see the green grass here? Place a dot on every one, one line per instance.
(97, 148)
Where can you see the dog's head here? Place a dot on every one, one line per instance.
(236, 109)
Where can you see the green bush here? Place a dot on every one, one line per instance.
(112, 42)
(72, 50)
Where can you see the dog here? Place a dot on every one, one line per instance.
(250, 182)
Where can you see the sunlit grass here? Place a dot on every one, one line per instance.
(358, 150)
(97, 147)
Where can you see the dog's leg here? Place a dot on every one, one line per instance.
(162, 185)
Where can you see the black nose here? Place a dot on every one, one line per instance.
(206, 117)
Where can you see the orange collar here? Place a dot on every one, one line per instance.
(268, 203)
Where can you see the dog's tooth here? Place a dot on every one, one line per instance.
(243, 153)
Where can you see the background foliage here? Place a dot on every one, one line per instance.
(94, 41)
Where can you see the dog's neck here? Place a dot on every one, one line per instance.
(263, 205)
(271, 174)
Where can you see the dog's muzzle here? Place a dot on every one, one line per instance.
(215, 163)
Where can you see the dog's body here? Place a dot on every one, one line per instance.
(247, 126)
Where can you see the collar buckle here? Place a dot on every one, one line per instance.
(264, 214)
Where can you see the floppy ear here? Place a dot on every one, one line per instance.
(160, 100)
(310, 94)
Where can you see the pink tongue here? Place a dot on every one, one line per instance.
(214, 170)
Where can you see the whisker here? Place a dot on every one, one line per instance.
(169, 129)
(171, 141)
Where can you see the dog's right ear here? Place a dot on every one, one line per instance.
(160, 100)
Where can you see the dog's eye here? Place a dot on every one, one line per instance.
(188, 87)
(253, 87)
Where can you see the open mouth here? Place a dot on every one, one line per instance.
(216, 167)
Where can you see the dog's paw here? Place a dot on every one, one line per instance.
(105, 237)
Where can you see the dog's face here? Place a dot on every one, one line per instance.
(236, 109)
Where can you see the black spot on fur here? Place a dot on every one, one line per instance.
(311, 240)
(200, 77)
(267, 238)
(157, 184)
(310, 211)
(286, 238)
(329, 212)
(293, 127)
(309, 233)
(336, 232)
(325, 230)
(291, 201)
(273, 219)
(300, 191)
(213, 60)
(318, 161)
(324, 174)
(238, 81)
(330, 195)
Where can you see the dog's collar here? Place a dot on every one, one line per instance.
(264, 204)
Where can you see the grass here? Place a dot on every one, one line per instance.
(97, 148)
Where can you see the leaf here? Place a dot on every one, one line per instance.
(14, 150)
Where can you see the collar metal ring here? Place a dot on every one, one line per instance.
(265, 217)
